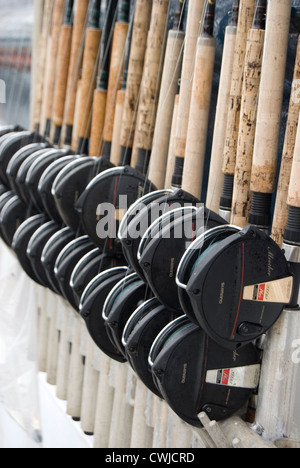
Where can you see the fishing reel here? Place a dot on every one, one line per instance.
(104, 202)
(140, 331)
(120, 304)
(91, 305)
(163, 245)
(10, 144)
(45, 186)
(20, 242)
(18, 158)
(68, 185)
(195, 374)
(51, 251)
(90, 266)
(65, 263)
(36, 170)
(234, 283)
(142, 214)
(35, 248)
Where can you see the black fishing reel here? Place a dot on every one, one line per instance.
(90, 266)
(20, 242)
(195, 374)
(234, 283)
(10, 144)
(165, 242)
(65, 263)
(120, 304)
(51, 251)
(142, 214)
(35, 248)
(105, 201)
(67, 187)
(140, 331)
(91, 305)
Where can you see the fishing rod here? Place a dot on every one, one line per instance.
(265, 153)
(50, 72)
(84, 99)
(133, 78)
(195, 13)
(216, 177)
(39, 81)
(151, 82)
(245, 21)
(192, 176)
(251, 82)
(75, 62)
(280, 216)
(169, 88)
(72, 181)
(109, 76)
(63, 61)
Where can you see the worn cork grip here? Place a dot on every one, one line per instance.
(199, 115)
(252, 72)
(281, 208)
(115, 154)
(294, 187)
(216, 176)
(42, 54)
(99, 106)
(171, 152)
(271, 97)
(88, 81)
(151, 80)
(141, 24)
(80, 16)
(57, 20)
(245, 21)
(115, 76)
(169, 89)
(195, 12)
(63, 61)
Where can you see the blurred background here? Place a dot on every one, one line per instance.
(16, 25)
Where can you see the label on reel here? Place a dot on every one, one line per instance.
(242, 377)
(277, 291)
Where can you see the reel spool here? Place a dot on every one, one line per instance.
(66, 262)
(69, 185)
(12, 215)
(91, 265)
(71, 182)
(45, 187)
(36, 170)
(105, 192)
(4, 198)
(163, 245)
(195, 374)
(120, 304)
(51, 251)
(139, 333)
(18, 158)
(142, 214)
(234, 283)
(11, 145)
(20, 242)
(35, 248)
(91, 305)
(20, 178)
